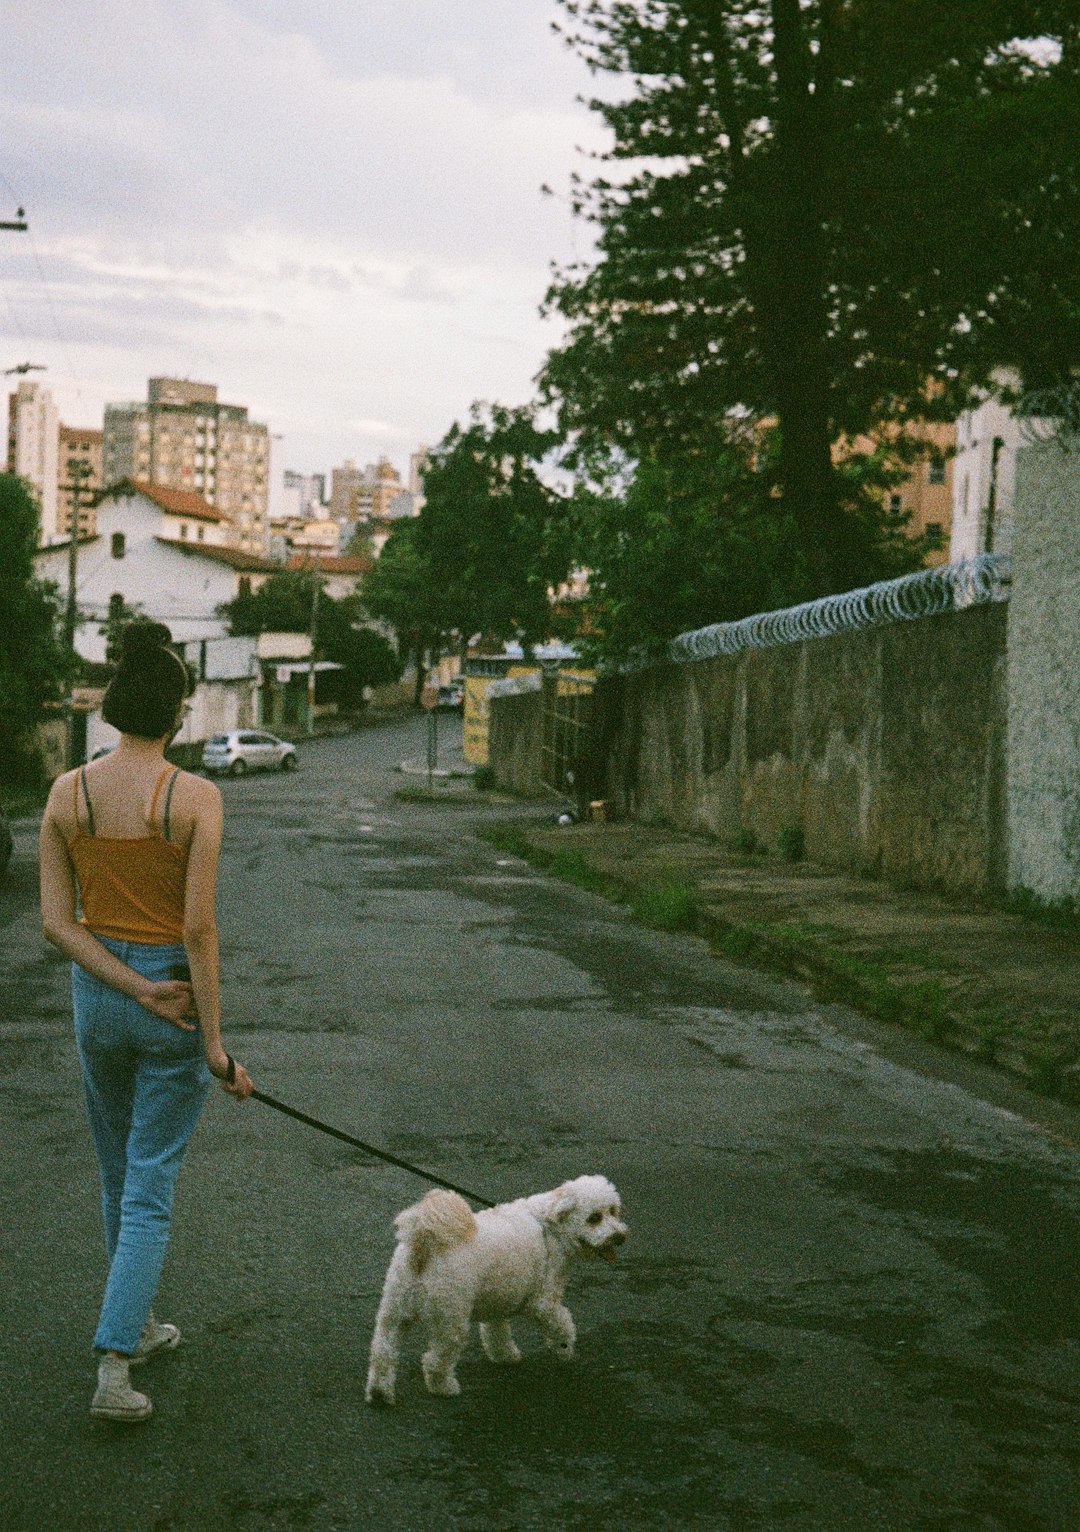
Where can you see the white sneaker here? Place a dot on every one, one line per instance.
(115, 1398)
(153, 1339)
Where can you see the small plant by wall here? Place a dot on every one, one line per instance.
(791, 843)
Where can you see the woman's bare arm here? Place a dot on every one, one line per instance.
(169, 998)
(200, 931)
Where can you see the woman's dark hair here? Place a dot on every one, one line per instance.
(151, 681)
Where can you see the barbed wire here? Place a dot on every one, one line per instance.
(927, 593)
(1051, 415)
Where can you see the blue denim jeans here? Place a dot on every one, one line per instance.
(146, 1081)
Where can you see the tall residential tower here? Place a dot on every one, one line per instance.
(183, 438)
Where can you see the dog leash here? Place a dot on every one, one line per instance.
(182, 972)
(356, 1143)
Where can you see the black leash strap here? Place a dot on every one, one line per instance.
(358, 1143)
(182, 972)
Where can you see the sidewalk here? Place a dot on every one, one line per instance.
(1001, 987)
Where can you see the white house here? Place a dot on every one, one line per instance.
(161, 551)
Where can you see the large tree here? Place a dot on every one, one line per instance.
(492, 535)
(400, 589)
(34, 666)
(827, 214)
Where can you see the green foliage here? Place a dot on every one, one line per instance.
(811, 211)
(400, 590)
(484, 779)
(791, 843)
(35, 669)
(669, 906)
(1059, 914)
(698, 537)
(291, 601)
(492, 535)
(282, 604)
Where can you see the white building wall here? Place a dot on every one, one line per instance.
(1044, 676)
(169, 584)
(984, 481)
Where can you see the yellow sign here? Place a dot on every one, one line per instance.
(475, 726)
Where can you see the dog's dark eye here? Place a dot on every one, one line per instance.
(594, 1218)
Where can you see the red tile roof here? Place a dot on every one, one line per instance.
(330, 563)
(236, 558)
(177, 502)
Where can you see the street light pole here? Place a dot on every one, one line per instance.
(311, 658)
(78, 473)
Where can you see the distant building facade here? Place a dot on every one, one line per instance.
(304, 496)
(184, 439)
(32, 452)
(80, 448)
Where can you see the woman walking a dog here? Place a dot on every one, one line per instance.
(136, 843)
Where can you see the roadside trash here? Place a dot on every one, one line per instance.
(598, 811)
(566, 818)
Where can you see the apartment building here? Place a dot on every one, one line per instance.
(363, 494)
(32, 450)
(183, 438)
(78, 448)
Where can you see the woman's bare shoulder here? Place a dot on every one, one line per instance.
(200, 795)
(61, 793)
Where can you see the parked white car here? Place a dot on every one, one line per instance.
(248, 750)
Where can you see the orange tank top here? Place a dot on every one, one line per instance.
(131, 887)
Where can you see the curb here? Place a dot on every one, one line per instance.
(920, 1007)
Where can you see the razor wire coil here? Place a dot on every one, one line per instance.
(927, 593)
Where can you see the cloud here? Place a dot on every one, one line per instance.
(322, 202)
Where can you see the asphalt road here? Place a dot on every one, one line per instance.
(849, 1297)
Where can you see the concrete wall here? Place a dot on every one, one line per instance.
(1044, 675)
(515, 737)
(886, 747)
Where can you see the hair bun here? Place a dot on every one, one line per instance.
(141, 639)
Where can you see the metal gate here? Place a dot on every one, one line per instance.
(568, 720)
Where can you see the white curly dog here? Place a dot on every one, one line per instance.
(452, 1265)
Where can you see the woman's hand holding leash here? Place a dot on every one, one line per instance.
(233, 1076)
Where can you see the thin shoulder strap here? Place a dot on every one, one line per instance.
(168, 801)
(89, 806)
(157, 789)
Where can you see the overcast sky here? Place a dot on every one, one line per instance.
(330, 208)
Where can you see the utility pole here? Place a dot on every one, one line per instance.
(311, 659)
(78, 474)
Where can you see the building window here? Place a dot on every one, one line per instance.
(936, 473)
(183, 529)
(116, 606)
(245, 585)
(199, 533)
(119, 545)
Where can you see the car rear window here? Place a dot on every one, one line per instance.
(219, 739)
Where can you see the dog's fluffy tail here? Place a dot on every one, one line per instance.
(436, 1223)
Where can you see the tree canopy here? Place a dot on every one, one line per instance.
(827, 214)
(491, 541)
(34, 665)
